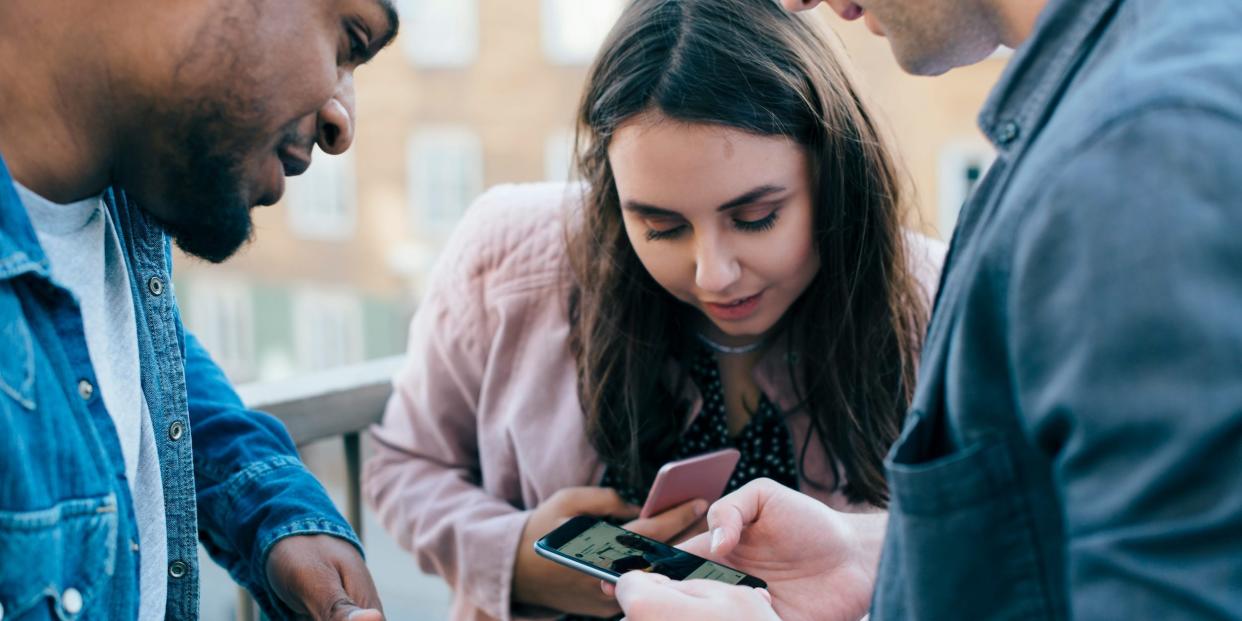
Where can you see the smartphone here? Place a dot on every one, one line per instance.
(704, 476)
(596, 547)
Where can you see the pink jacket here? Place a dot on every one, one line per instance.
(484, 422)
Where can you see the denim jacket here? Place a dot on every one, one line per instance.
(1075, 440)
(66, 514)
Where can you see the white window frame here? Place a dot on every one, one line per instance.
(222, 315)
(437, 202)
(954, 188)
(574, 39)
(434, 37)
(327, 328)
(322, 203)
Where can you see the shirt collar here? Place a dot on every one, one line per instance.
(1031, 83)
(20, 251)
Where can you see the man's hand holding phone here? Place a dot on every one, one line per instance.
(818, 563)
(539, 582)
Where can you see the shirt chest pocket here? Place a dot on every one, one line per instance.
(58, 562)
(961, 541)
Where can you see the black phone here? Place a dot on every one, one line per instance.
(594, 546)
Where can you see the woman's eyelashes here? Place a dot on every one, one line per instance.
(763, 223)
(747, 222)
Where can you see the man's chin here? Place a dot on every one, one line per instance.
(927, 63)
(214, 238)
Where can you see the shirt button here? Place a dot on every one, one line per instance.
(71, 601)
(155, 285)
(177, 569)
(176, 430)
(85, 390)
(1008, 132)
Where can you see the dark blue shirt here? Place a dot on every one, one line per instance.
(1074, 448)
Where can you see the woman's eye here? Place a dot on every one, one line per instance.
(754, 224)
(661, 227)
(657, 234)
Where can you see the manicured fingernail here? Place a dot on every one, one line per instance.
(717, 538)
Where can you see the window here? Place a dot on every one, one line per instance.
(558, 150)
(574, 29)
(440, 33)
(962, 166)
(445, 174)
(321, 203)
(327, 328)
(221, 315)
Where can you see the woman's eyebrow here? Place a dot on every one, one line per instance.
(751, 196)
(644, 209)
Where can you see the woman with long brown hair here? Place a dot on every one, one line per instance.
(732, 272)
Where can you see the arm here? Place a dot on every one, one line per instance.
(1126, 332)
(424, 480)
(252, 489)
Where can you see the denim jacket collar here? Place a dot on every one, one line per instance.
(20, 251)
(1040, 69)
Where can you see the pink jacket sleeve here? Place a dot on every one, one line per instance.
(424, 481)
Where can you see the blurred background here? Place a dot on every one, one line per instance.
(476, 93)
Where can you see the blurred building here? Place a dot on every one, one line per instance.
(476, 93)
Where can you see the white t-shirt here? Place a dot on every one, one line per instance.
(81, 242)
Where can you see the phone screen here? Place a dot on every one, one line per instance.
(617, 551)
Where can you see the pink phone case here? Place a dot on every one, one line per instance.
(704, 476)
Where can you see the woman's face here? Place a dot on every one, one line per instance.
(720, 218)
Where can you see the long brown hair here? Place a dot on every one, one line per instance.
(854, 334)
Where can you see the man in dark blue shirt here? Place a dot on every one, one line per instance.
(1073, 446)
(123, 125)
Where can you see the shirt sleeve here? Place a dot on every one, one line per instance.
(252, 489)
(425, 480)
(1125, 309)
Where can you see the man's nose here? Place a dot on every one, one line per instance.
(336, 119)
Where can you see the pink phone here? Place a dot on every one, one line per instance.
(704, 476)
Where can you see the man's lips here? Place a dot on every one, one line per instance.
(294, 163)
(852, 12)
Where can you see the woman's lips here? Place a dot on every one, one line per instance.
(734, 311)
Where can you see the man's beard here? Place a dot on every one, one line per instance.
(207, 212)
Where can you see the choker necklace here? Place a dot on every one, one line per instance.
(725, 349)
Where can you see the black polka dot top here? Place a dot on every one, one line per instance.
(765, 444)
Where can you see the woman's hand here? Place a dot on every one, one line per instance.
(540, 582)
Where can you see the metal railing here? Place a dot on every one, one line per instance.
(340, 402)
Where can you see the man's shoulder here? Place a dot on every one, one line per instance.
(1162, 57)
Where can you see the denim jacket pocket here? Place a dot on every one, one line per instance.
(58, 562)
(961, 541)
